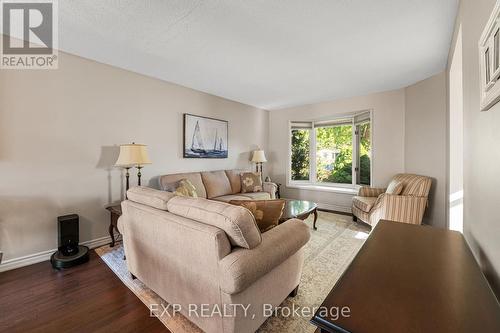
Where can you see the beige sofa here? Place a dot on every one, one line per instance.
(194, 251)
(223, 185)
(374, 204)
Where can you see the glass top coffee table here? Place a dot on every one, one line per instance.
(299, 209)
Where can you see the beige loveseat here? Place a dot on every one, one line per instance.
(194, 251)
(374, 204)
(222, 185)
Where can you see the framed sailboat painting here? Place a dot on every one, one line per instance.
(205, 137)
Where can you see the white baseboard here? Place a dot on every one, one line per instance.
(92, 244)
(45, 255)
(334, 207)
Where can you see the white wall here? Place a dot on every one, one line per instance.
(456, 135)
(59, 132)
(425, 141)
(388, 141)
(481, 138)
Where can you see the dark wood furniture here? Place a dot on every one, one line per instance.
(84, 298)
(278, 191)
(412, 278)
(116, 212)
(299, 209)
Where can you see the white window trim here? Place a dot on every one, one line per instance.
(327, 187)
(348, 190)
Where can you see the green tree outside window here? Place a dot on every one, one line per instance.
(334, 154)
(300, 154)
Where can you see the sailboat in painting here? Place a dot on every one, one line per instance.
(198, 147)
(218, 147)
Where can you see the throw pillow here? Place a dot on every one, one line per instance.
(395, 187)
(186, 189)
(267, 213)
(251, 182)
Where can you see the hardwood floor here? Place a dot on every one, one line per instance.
(85, 298)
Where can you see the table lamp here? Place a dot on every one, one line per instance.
(259, 157)
(133, 155)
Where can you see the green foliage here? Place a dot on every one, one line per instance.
(364, 167)
(300, 155)
(364, 153)
(331, 140)
(338, 139)
(334, 137)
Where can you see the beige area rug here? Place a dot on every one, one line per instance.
(330, 250)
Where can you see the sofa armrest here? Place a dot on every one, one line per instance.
(400, 208)
(366, 191)
(270, 188)
(242, 267)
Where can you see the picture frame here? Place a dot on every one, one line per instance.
(204, 137)
(489, 61)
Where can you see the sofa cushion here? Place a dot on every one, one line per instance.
(364, 203)
(238, 223)
(267, 213)
(227, 198)
(363, 216)
(235, 180)
(251, 182)
(257, 195)
(244, 196)
(241, 267)
(194, 178)
(395, 187)
(150, 197)
(216, 183)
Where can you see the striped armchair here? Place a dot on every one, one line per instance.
(408, 206)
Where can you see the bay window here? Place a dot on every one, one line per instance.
(336, 151)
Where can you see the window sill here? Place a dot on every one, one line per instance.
(332, 189)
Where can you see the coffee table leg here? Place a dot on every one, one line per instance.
(315, 218)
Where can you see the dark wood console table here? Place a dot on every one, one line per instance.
(412, 279)
(116, 212)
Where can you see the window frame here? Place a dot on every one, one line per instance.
(312, 182)
(357, 140)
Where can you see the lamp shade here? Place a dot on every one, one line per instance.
(132, 154)
(259, 156)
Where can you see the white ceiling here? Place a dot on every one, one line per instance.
(267, 53)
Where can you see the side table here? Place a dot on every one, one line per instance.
(116, 212)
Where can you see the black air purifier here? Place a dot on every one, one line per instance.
(69, 252)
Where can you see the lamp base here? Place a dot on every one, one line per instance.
(139, 174)
(258, 167)
(127, 183)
